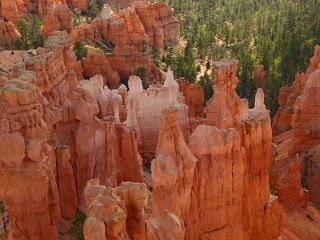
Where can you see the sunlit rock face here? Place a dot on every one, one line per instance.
(145, 110)
(194, 98)
(58, 18)
(63, 131)
(13, 10)
(119, 213)
(28, 173)
(225, 108)
(297, 148)
(230, 197)
(80, 4)
(8, 31)
(172, 169)
(290, 94)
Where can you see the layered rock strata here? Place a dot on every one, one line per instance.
(230, 197)
(58, 18)
(48, 116)
(297, 149)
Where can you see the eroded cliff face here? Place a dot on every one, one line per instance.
(297, 149)
(49, 116)
(132, 32)
(58, 18)
(289, 95)
(230, 197)
(8, 32)
(28, 173)
(13, 10)
(194, 98)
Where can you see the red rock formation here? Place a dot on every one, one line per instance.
(145, 110)
(66, 183)
(80, 4)
(285, 174)
(302, 224)
(58, 18)
(96, 64)
(120, 209)
(216, 200)
(52, 117)
(226, 108)
(230, 197)
(167, 226)
(123, 63)
(133, 31)
(8, 32)
(194, 98)
(299, 149)
(28, 172)
(105, 207)
(289, 94)
(172, 169)
(12, 10)
(118, 213)
(111, 145)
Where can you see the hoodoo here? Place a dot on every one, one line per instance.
(105, 133)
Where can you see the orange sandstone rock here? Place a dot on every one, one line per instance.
(58, 18)
(302, 145)
(145, 110)
(194, 98)
(289, 95)
(172, 169)
(80, 4)
(8, 32)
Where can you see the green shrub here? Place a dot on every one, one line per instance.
(94, 8)
(80, 50)
(31, 36)
(77, 226)
(206, 83)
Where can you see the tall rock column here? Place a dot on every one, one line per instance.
(172, 169)
(83, 111)
(27, 181)
(216, 198)
(66, 183)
